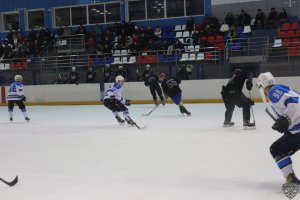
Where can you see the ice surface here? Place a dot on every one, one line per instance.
(81, 153)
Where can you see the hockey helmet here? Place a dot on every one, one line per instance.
(120, 79)
(18, 78)
(107, 66)
(264, 80)
(148, 67)
(162, 76)
(73, 69)
(120, 67)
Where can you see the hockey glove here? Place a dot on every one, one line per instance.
(127, 102)
(282, 124)
(112, 99)
(23, 98)
(249, 85)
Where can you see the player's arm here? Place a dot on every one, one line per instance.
(19, 90)
(249, 83)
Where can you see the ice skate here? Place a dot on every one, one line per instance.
(184, 110)
(228, 124)
(156, 102)
(121, 121)
(27, 119)
(291, 178)
(11, 119)
(248, 125)
(163, 102)
(129, 122)
(292, 186)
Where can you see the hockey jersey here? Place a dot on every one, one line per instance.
(15, 91)
(171, 86)
(115, 89)
(285, 101)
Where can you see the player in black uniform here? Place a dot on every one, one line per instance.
(233, 96)
(151, 79)
(171, 89)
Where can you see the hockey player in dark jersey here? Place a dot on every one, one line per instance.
(233, 96)
(151, 79)
(171, 89)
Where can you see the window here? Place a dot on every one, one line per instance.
(96, 14)
(175, 8)
(113, 12)
(62, 17)
(155, 9)
(78, 15)
(194, 7)
(35, 19)
(136, 10)
(11, 21)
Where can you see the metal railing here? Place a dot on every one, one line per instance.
(70, 44)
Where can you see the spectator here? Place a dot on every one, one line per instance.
(99, 49)
(34, 48)
(179, 47)
(108, 74)
(74, 76)
(82, 30)
(32, 36)
(121, 42)
(244, 19)
(190, 25)
(90, 75)
(59, 32)
(168, 47)
(67, 31)
(283, 17)
(272, 18)
(195, 37)
(259, 20)
(135, 48)
(232, 33)
(157, 32)
(183, 73)
(122, 72)
(139, 77)
(229, 19)
(224, 28)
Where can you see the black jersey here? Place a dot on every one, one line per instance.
(236, 83)
(150, 78)
(171, 87)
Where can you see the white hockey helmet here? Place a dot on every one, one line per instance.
(148, 67)
(120, 79)
(265, 80)
(18, 78)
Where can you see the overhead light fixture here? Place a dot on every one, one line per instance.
(97, 11)
(94, 9)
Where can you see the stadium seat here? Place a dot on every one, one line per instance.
(298, 33)
(281, 34)
(211, 39)
(186, 34)
(295, 42)
(219, 38)
(192, 56)
(220, 46)
(124, 52)
(203, 38)
(286, 42)
(295, 25)
(190, 49)
(292, 51)
(277, 43)
(124, 60)
(291, 33)
(247, 29)
(178, 34)
(200, 56)
(239, 29)
(183, 27)
(132, 59)
(178, 28)
(116, 52)
(208, 56)
(197, 48)
(285, 26)
(185, 57)
(117, 60)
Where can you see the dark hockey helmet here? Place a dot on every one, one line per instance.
(162, 76)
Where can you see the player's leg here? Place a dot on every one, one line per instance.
(229, 105)
(245, 103)
(160, 94)
(177, 99)
(108, 103)
(124, 110)
(153, 93)
(281, 150)
(11, 105)
(23, 109)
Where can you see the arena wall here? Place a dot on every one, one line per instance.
(194, 91)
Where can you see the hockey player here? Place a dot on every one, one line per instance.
(74, 76)
(233, 96)
(151, 79)
(16, 96)
(114, 101)
(122, 72)
(286, 105)
(171, 89)
(108, 74)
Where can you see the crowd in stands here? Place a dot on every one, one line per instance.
(127, 35)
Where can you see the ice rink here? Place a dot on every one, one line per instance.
(81, 153)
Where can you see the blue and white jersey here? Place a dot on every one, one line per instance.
(15, 91)
(286, 102)
(115, 89)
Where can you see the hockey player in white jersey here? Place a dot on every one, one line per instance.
(16, 96)
(286, 105)
(114, 101)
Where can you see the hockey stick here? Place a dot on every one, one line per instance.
(139, 127)
(12, 183)
(151, 110)
(252, 108)
(261, 90)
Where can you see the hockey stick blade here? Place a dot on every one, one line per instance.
(12, 183)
